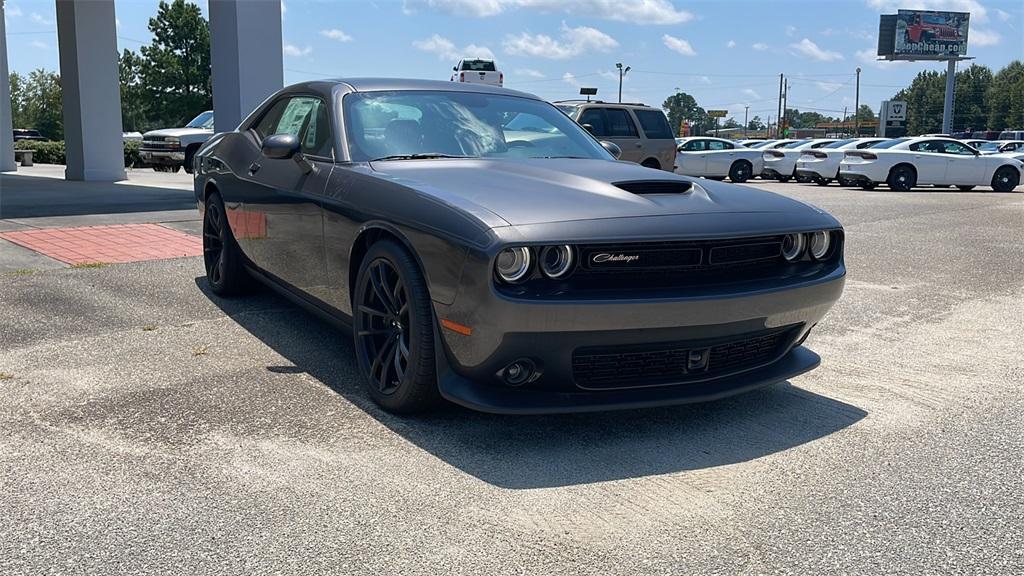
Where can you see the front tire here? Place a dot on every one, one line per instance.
(221, 256)
(1005, 179)
(822, 181)
(965, 188)
(393, 330)
(868, 185)
(740, 171)
(902, 179)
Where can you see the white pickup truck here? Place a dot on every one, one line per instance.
(717, 158)
(169, 149)
(476, 71)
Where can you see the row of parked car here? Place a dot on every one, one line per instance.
(900, 163)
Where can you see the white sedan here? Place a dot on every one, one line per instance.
(821, 165)
(907, 162)
(716, 158)
(780, 163)
(1001, 146)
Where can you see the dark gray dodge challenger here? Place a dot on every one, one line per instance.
(484, 248)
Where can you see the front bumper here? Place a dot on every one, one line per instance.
(162, 156)
(548, 333)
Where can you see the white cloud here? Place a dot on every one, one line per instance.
(335, 34)
(293, 50)
(633, 11)
(445, 49)
(751, 93)
(575, 41)
(790, 30)
(609, 75)
(983, 37)
(678, 45)
(869, 56)
(1003, 15)
(812, 50)
(38, 19)
(730, 44)
(759, 46)
(705, 80)
(529, 72)
(13, 11)
(39, 44)
(570, 79)
(979, 14)
(827, 86)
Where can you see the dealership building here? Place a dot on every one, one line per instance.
(245, 53)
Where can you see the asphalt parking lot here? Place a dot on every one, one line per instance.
(149, 427)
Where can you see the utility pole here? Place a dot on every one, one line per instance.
(622, 73)
(856, 108)
(784, 119)
(844, 120)
(746, 109)
(779, 115)
(947, 104)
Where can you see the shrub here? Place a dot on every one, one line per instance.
(52, 152)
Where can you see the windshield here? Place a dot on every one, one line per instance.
(839, 143)
(760, 144)
(411, 124)
(797, 143)
(890, 143)
(203, 121)
(478, 65)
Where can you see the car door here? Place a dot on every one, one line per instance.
(963, 166)
(929, 159)
(623, 132)
(692, 157)
(720, 157)
(282, 198)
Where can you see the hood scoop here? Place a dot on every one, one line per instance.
(645, 187)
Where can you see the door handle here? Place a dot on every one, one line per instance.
(639, 144)
(254, 168)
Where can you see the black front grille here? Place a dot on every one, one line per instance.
(677, 362)
(696, 261)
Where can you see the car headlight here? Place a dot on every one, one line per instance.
(793, 247)
(513, 264)
(821, 241)
(556, 261)
(175, 141)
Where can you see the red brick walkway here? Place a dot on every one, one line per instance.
(108, 244)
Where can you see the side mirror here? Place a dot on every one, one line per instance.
(588, 127)
(281, 146)
(455, 68)
(612, 148)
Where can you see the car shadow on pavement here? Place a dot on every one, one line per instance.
(521, 452)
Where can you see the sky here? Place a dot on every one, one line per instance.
(728, 54)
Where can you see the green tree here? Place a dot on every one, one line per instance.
(176, 72)
(1006, 98)
(133, 94)
(731, 123)
(36, 102)
(755, 123)
(970, 98)
(681, 106)
(924, 98)
(865, 113)
(18, 107)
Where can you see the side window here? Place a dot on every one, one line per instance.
(296, 115)
(619, 123)
(654, 123)
(867, 144)
(820, 144)
(716, 145)
(595, 118)
(928, 146)
(268, 124)
(957, 148)
(695, 146)
(317, 139)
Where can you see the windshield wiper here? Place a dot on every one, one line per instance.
(427, 156)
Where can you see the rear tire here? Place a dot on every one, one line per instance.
(868, 185)
(651, 163)
(221, 256)
(393, 330)
(782, 178)
(902, 178)
(822, 181)
(740, 171)
(1005, 179)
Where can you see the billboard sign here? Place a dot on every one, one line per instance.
(717, 113)
(929, 34)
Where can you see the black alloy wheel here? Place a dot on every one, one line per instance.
(822, 181)
(902, 179)
(221, 259)
(393, 330)
(783, 178)
(1005, 179)
(740, 171)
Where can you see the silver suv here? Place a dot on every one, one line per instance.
(642, 132)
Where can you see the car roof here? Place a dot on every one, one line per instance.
(385, 84)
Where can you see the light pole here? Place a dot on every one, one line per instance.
(856, 108)
(622, 73)
(746, 109)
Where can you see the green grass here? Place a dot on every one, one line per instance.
(22, 272)
(89, 265)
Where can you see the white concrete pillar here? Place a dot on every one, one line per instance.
(86, 33)
(245, 52)
(6, 135)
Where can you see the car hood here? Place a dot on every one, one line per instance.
(535, 191)
(178, 132)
